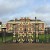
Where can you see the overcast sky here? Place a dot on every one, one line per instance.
(10, 9)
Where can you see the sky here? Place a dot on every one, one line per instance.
(10, 9)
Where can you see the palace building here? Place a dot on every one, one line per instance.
(25, 26)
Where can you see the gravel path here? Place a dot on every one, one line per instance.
(24, 46)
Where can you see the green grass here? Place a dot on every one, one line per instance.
(42, 38)
(8, 38)
(0, 39)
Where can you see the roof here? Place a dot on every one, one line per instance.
(34, 20)
(24, 19)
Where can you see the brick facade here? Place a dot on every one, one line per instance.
(25, 25)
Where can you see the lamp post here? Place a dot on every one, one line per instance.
(35, 30)
(4, 34)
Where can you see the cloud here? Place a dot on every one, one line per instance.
(9, 6)
(10, 9)
(43, 9)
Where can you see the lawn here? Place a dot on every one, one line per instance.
(8, 38)
(0, 39)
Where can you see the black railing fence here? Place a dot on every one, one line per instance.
(42, 38)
